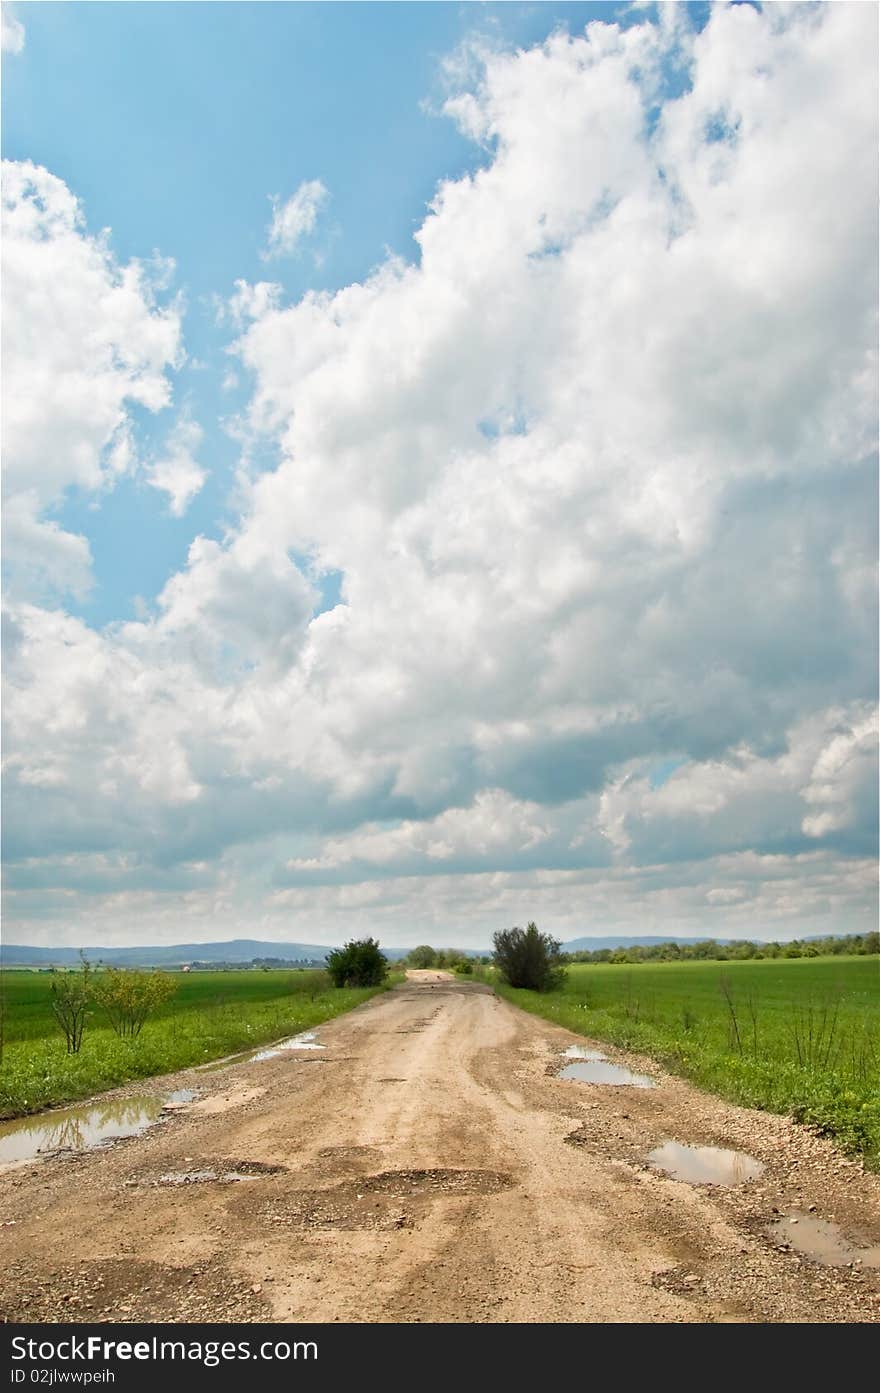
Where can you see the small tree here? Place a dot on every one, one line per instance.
(423, 956)
(128, 998)
(71, 996)
(526, 958)
(358, 964)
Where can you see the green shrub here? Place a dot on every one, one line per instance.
(526, 958)
(358, 964)
(128, 998)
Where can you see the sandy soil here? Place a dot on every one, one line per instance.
(429, 1165)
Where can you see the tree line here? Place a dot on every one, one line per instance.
(710, 948)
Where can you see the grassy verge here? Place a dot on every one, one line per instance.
(800, 1037)
(213, 1014)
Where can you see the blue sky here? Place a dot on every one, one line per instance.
(478, 523)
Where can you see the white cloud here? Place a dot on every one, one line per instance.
(295, 218)
(843, 780)
(11, 31)
(597, 475)
(250, 302)
(42, 556)
(177, 473)
(494, 824)
(84, 341)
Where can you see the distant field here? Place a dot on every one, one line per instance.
(211, 1014)
(798, 1036)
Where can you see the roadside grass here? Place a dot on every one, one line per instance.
(211, 1015)
(794, 1036)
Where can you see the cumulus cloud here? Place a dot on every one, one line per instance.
(84, 341)
(598, 475)
(11, 31)
(295, 218)
(177, 473)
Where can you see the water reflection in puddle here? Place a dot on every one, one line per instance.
(705, 1165)
(820, 1240)
(581, 1052)
(306, 1041)
(599, 1070)
(76, 1128)
(180, 1097)
(85, 1125)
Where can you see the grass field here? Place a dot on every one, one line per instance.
(798, 1036)
(211, 1014)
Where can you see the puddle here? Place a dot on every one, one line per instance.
(581, 1052)
(76, 1128)
(85, 1125)
(599, 1070)
(180, 1097)
(822, 1241)
(705, 1165)
(307, 1040)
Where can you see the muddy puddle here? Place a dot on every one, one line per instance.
(85, 1125)
(179, 1098)
(307, 1040)
(820, 1240)
(76, 1128)
(705, 1165)
(589, 1066)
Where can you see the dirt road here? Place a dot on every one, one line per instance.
(429, 1165)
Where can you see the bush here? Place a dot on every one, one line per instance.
(358, 964)
(128, 998)
(526, 958)
(423, 956)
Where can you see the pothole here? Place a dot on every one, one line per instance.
(600, 1070)
(198, 1177)
(704, 1165)
(448, 1182)
(81, 1127)
(347, 1212)
(388, 1200)
(820, 1240)
(219, 1173)
(121, 1290)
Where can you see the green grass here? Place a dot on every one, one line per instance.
(211, 1015)
(798, 1036)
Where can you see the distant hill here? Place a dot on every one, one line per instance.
(237, 950)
